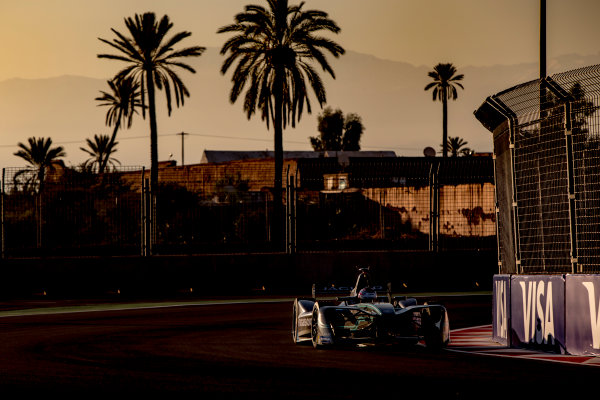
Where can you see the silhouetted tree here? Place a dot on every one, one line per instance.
(123, 101)
(100, 151)
(581, 109)
(151, 60)
(274, 48)
(337, 132)
(40, 155)
(456, 146)
(444, 86)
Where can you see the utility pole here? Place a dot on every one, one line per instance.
(543, 97)
(182, 134)
(542, 39)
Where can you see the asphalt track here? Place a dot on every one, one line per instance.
(243, 351)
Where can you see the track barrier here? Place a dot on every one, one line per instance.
(551, 313)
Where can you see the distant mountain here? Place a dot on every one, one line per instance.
(389, 96)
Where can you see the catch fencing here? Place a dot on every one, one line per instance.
(328, 204)
(547, 152)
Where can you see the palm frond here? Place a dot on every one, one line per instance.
(257, 33)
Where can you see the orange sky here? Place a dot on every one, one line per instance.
(50, 38)
(43, 38)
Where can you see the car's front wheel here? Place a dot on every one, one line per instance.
(295, 322)
(314, 327)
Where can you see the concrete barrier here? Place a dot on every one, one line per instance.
(557, 313)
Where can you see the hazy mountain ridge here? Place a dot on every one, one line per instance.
(389, 96)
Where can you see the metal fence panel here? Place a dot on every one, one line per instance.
(70, 214)
(556, 170)
(355, 204)
(541, 183)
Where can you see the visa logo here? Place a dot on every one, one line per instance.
(538, 312)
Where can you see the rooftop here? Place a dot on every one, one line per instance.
(218, 156)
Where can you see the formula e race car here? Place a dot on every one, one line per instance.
(368, 314)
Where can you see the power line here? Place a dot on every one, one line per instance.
(220, 137)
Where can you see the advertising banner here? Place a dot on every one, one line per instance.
(501, 309)
(582, 311)
(537, 318)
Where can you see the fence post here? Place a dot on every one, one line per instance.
(563, 95)
(267, 222)
(38, 208)
(291, 214)
(145, 220)
(575, 268)
(143, 217)
(571, 188)
(295, 203)
(2, 233)
(152, 220)
(515, 203)
(498, 106)
(434, 206)
(382, 200)
(497, 213)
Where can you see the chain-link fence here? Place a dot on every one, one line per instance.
(69, 212)
(547, 148)
(329, 204)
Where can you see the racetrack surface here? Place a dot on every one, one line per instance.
(245, 351)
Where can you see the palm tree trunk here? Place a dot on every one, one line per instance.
(108, 147)
(153, 158)
(278, 144)
(445, 125)
(153, 131)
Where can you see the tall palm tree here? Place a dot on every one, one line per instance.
(40, 155)
(152, 61)
(274, 48)
(100, 151)
(445, 82)
(123, 101)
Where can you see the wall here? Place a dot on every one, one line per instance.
(242, 274)
(465, 209)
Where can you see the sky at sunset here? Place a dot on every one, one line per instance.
(52, 38)
(45, 38)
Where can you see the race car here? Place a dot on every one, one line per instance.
(368, 314)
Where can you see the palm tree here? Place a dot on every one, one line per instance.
(444, 87)
(40, 155)
(274, 48)
(456, 147)
(151, 60)
(100, 151)
(123, 101)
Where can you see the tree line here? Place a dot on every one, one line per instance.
(273, 53)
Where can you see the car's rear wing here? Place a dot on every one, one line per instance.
(343, 292)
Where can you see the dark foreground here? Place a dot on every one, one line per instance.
(245, 351)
